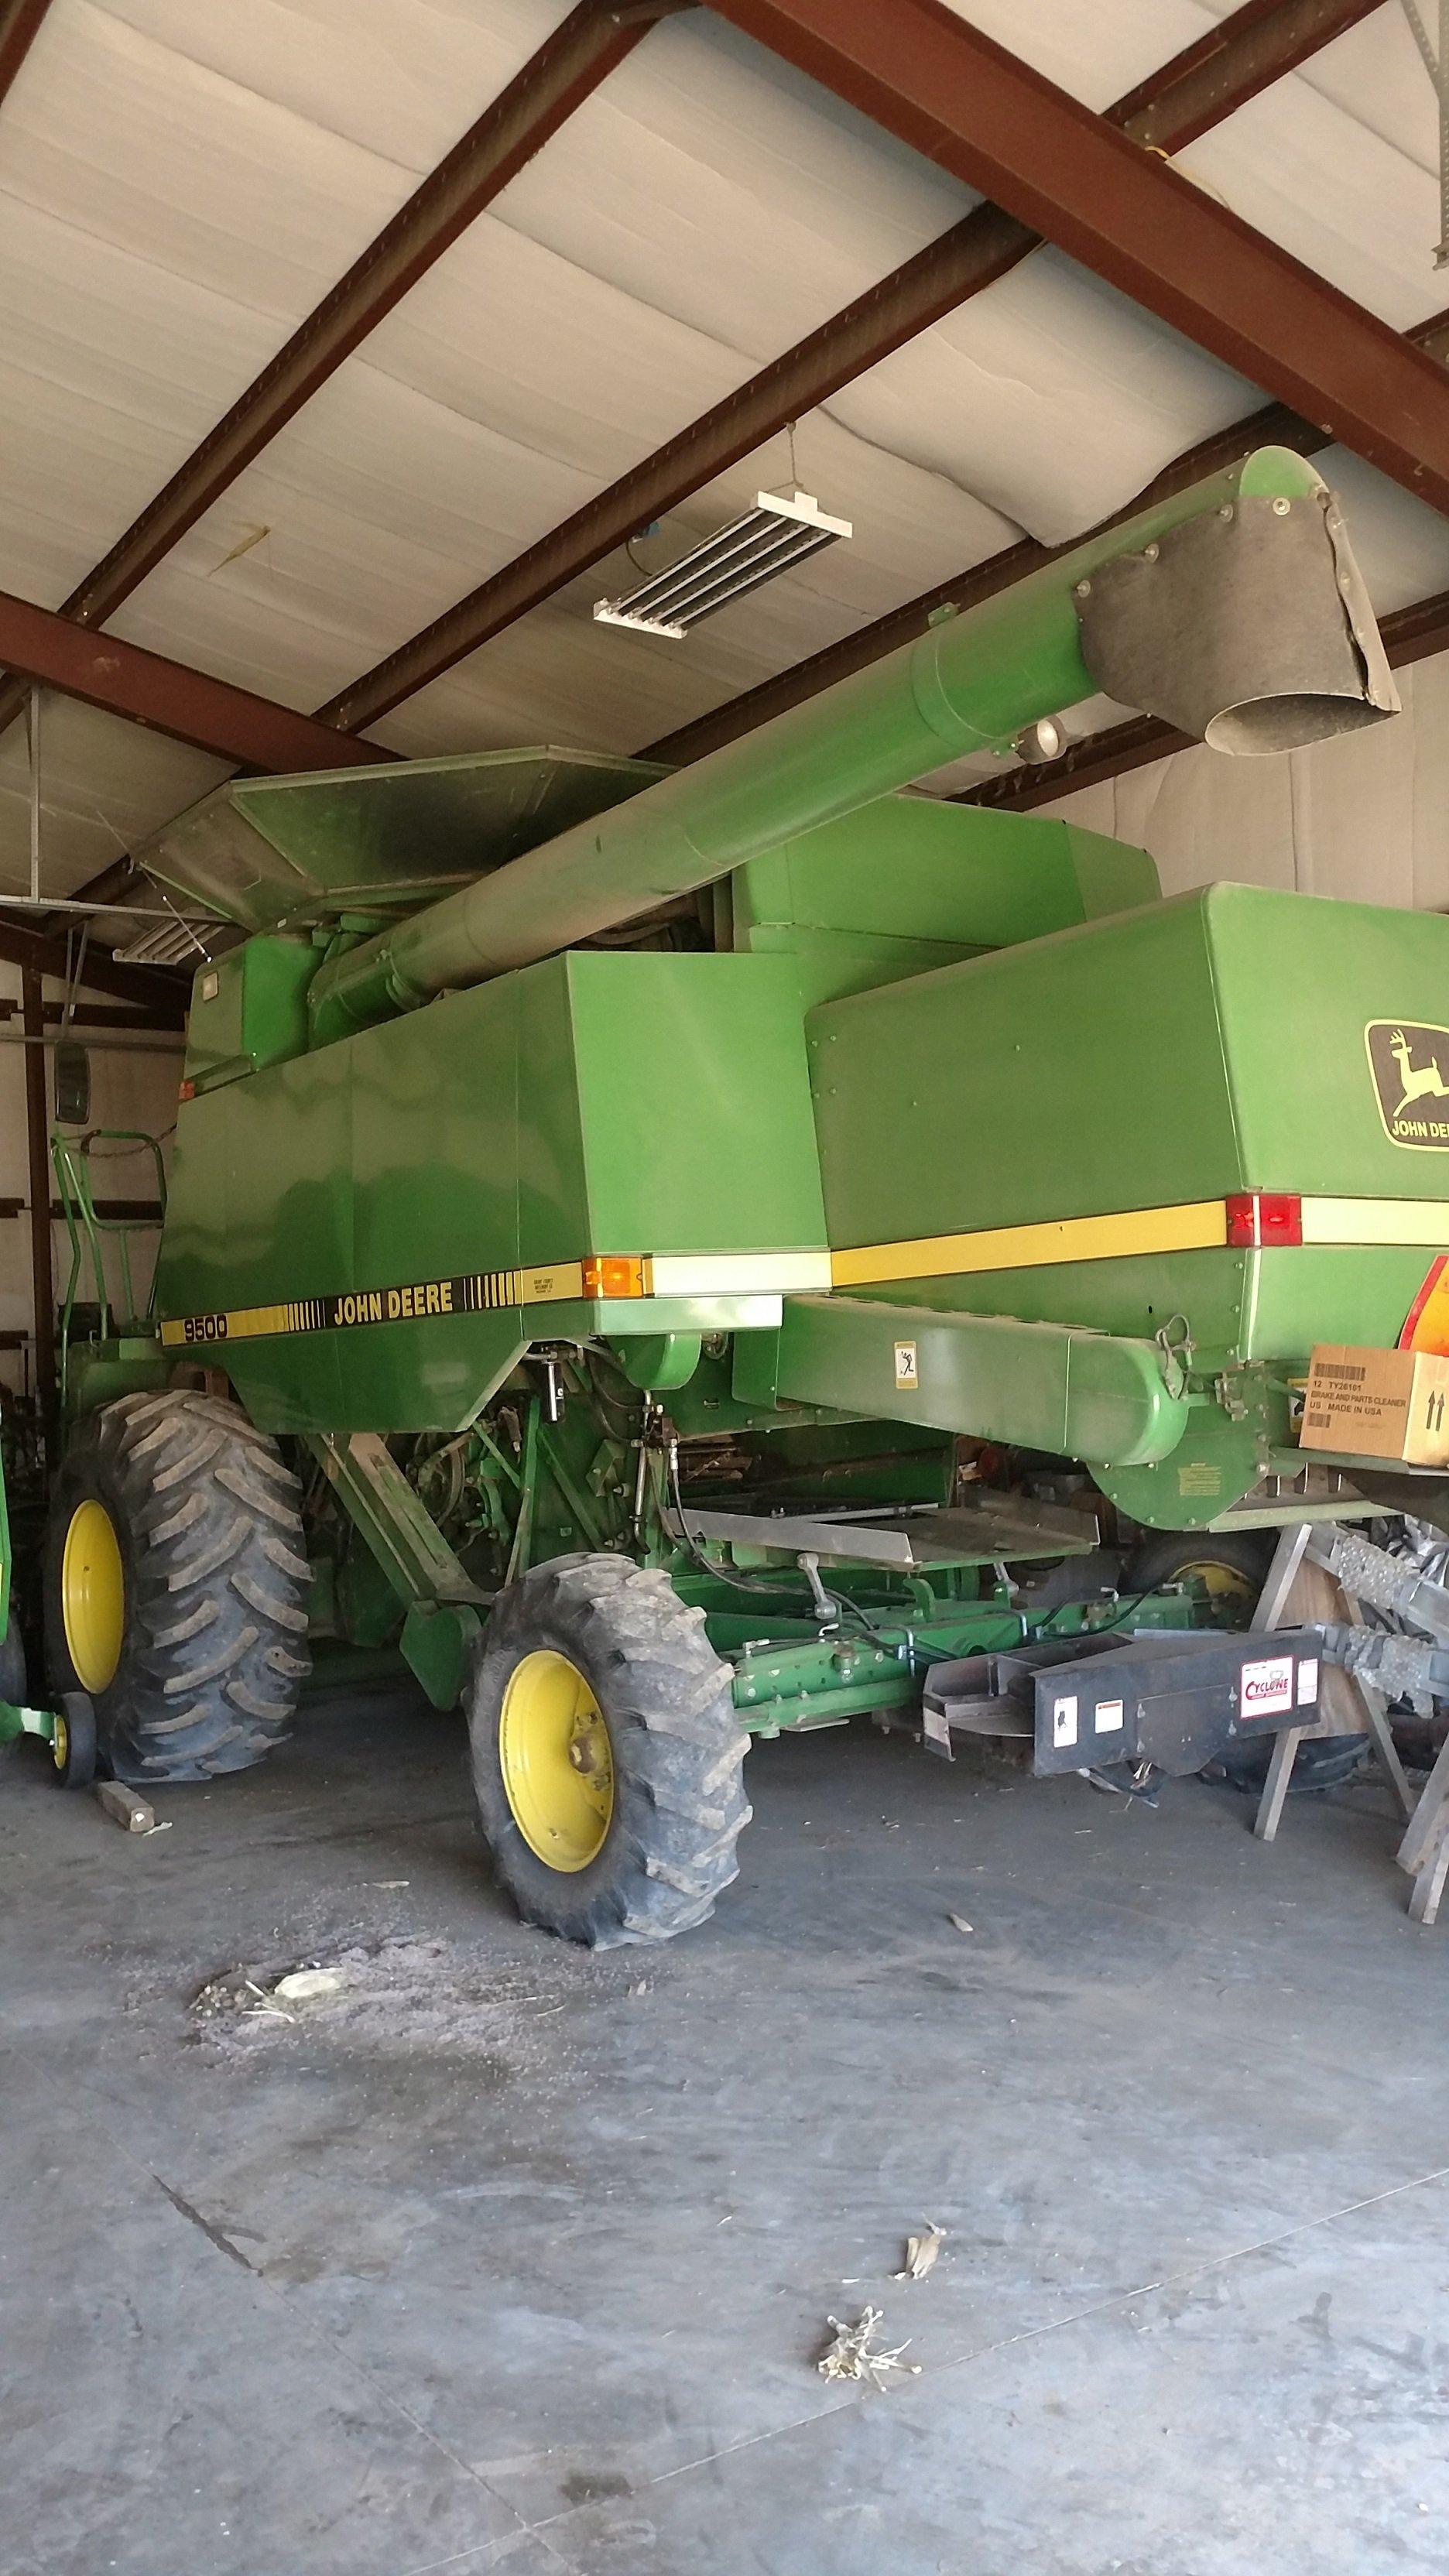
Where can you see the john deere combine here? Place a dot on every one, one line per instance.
(682, 1255)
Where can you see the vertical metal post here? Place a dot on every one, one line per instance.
(33, 747)
(1272, 1606)
(37, 1133)
(1441, 91)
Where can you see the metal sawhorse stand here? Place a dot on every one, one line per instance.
(1376, 1664)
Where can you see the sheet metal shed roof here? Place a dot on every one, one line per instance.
(179, 187)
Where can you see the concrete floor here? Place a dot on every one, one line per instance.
(542, 2286)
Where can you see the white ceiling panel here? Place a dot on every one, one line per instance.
(181, 184)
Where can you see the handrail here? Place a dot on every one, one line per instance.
(71, 1156)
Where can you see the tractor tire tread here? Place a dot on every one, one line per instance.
(678, 1746)
(208, 1515)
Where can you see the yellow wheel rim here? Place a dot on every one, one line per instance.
(60, 1741)
(557, 1760)
(92, 1596)
(1227, 1587)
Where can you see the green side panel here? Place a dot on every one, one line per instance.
(1350, 1293)
(1186, 1051)
(829, 963)
(260, 1208)
(248, 1009)
(1132, 1296)
(1080, 1074)
(596, 1102)
(435, 1193)
(1299, 977)
(914, 867)
(694, 1104)
(1245, 1305)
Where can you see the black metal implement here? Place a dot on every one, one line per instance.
(1177, 1699)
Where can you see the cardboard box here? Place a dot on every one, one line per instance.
(1378, 1404)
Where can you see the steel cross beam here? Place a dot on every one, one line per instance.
(171, 697)
(568, 67)
(1196, 89)
(1248, 51)
(941, 86)
(19, 27)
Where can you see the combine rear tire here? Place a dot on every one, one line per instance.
(606, 1754)
(1230, 1565)
(176, 1586)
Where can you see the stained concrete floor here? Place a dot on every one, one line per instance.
(540, 2284)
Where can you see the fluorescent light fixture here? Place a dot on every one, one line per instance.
(176, 942)
(781, 530)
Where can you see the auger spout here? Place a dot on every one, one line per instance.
(1233, 609)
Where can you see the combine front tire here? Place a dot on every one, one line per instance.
(176, 1586)
(606, 1754)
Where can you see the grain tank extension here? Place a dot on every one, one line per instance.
(682, 1254)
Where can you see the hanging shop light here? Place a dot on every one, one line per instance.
(781, 531)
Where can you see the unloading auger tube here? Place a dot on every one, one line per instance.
(1234, 610)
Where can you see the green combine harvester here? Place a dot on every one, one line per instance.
(685, 1257)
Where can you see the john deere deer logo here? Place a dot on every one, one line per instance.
(1420, 1081)
(1408, 1062)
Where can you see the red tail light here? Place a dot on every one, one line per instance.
(1258, 1218)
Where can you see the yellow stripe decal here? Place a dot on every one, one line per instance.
(476, 1292)
(1192, 1228)
(1198, 1225)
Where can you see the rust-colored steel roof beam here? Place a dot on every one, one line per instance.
(950, 92)
(19, 27)
(567, 68)
(1194, 90)
(1275, 424)
(170, 697)
(1245, 53)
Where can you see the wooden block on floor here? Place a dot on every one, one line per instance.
(133, 1813)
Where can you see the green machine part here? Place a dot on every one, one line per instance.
(372, 1235)
(1249, 565)
(1108, 1093)
(637, 1103)
(913, 882)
